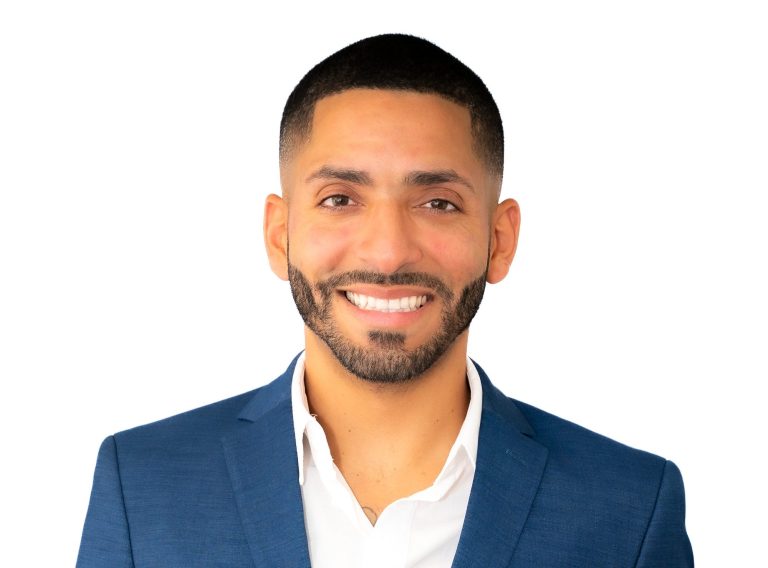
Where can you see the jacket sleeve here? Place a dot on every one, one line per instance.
(666, 543)
(106, 539)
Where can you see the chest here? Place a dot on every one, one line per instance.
(422, 529)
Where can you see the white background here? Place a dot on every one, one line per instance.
(138, 141)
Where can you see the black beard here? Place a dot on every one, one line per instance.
(387, 361)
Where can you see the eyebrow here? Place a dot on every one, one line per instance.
(418, 178)
(436, 177)
(358, 177)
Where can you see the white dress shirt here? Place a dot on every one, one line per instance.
(419, 531)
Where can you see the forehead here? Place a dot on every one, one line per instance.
(402, 114)
(373, 104)
(376, 129)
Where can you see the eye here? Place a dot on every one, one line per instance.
(337, 201)
(440, 205)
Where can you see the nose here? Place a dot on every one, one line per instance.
(388, 240)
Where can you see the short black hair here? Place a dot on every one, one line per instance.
(396, 62)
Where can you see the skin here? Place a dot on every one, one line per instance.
(351, 201)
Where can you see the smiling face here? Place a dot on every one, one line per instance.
(388, 230)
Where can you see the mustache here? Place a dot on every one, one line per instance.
(423, 279)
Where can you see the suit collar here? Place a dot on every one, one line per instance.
(510, 465)
(263, 467)
(262, 464)
(496, 402)
(270, 396)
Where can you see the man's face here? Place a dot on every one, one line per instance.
(388, 229)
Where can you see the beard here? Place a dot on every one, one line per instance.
(386, 360)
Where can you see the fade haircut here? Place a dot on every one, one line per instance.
(402, 63)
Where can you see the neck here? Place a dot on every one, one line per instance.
(395, 436)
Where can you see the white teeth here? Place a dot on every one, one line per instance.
(405, 304)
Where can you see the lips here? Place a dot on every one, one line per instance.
(386, 305)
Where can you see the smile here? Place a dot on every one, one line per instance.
(369, 303)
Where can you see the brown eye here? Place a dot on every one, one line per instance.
(336, 201)
(440, 205)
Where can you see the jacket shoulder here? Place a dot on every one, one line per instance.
(611, 483)
(198, 428)
(210, 419)
(631, 502)
(568, 444)
(581, 446)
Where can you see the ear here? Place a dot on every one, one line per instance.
(276, 234)
(504, 231)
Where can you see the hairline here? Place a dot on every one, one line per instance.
(298, 131)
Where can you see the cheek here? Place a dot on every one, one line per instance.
(319, 249)
(458, 253)
(442, 246)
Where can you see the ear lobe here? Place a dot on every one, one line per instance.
(504, 233)
(276, 234)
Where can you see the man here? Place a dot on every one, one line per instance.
(383, 444)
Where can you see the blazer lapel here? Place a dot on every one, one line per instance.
(510, 465)
(262, 463)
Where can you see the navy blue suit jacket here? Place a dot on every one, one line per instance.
(218, 486)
